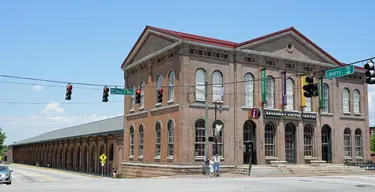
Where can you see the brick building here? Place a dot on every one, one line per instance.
(74, 148)
(169, 135)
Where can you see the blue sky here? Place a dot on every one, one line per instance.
(86, 41)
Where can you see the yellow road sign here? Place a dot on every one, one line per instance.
(103, 157)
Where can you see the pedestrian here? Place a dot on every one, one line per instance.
(114, 170)
(211, 164)
(216, 164)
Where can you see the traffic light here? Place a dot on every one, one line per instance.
(68, 95)
(105, 94)
(310, 88)
(370, 73)
(138, 96)
(160, 95)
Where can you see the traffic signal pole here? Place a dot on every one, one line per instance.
(206, 129)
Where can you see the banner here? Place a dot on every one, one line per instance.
(283, 87)
(320, 92)
(303, 99)
(264, 85)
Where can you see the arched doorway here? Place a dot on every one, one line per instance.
(78, 159)
(326, 144)
(290, 143)
(84, 159)
(93, 159)
(249, 140)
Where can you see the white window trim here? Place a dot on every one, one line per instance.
(171, 80)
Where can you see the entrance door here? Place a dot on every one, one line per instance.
(326, 144)
(249, 148)
(290, 147)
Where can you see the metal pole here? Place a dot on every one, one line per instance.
(206, 127)
(216, 136)
(102, 170)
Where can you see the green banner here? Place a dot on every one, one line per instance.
(264, 85)
(320, 92)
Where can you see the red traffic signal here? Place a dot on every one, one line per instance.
(138, 91)
(69, 87)
(106, 90)
(160, 91)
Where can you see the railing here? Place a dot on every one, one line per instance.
(369, 165)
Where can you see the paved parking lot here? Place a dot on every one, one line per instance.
(31, 179)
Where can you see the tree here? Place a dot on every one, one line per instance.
(3, 148)
(372, 143)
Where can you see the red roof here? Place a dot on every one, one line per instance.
(228, 44)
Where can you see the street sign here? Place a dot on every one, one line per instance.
(102, 164)
(119, 91)
(339, 72)
(103, 157)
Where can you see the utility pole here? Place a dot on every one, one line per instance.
(206, 128)
(216, 136)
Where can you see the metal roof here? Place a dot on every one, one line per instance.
(105, 126)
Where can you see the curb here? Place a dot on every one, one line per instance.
(56, 170)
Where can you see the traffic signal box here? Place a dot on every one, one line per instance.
(370, 73)
(160, 96)
(105, 94)
(138, 96)
(310, 88)
(68, 95)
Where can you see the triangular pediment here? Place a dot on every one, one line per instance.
(152, 43)
(290, 44)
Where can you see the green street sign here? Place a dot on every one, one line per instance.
(119, 91)
(339, 72)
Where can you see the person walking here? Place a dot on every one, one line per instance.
(212, 169)
(217, 164)
(114, 171)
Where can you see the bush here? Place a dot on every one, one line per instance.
(372, 143)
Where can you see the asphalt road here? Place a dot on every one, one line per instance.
(31, 179)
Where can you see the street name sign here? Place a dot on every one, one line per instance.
(119, 91)
(339, 72)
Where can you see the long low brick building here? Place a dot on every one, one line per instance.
(74, 148)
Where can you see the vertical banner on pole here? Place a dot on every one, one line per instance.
(283, 86)
(303, 98)
(320, 92)
(264, 85)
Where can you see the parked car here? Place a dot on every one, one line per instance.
(5, 175)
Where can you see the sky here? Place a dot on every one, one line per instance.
(87, 40)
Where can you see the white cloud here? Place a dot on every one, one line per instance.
(37, 87)
(52, 107)
(19, 128)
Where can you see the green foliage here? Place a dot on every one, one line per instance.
(3, 148)
(372, 143)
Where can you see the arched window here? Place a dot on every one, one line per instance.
(170, 138)
(345, 100)
(269, 140)
(171, 86)
(270, 92)
(159, 83)
(249, 90)
(308, 140)
(199, 138)
(325, 108)
(158, 140)
(142, 86)
(200, 80)
(141, 140)
(131, 140)
(347, 143)
(132, 100)
(358, 143)
(356, 102)
(217, 84)
(289, 94)
(220, 140)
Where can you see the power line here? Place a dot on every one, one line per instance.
(46, 85)
(57, 81)
(45, 103)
